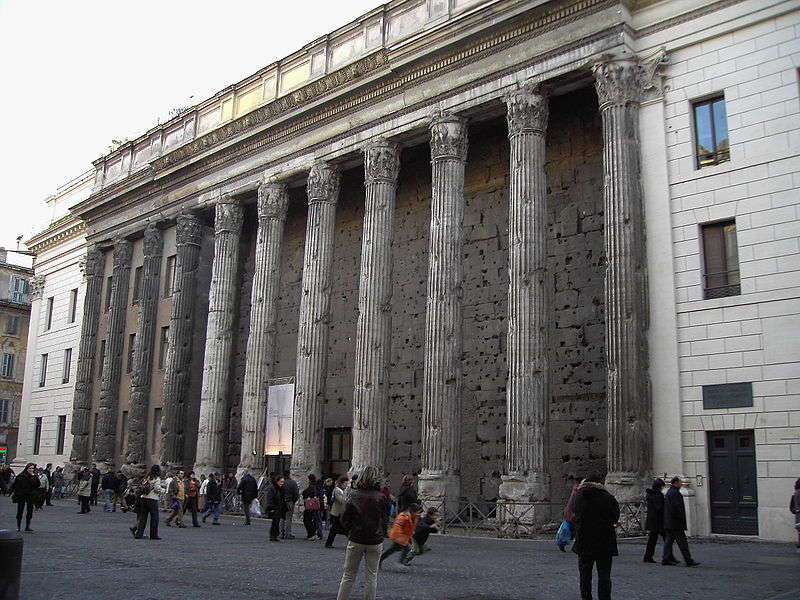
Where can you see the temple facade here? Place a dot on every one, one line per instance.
(472, 241)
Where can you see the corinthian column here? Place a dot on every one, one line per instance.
(136, 454)
(619, 89)
(105, 438)
(222, 300)
(374, 329)
(312, 335)
(526, 477)
(188, 235)
(441, 395)
(93, 271)
(273, 201)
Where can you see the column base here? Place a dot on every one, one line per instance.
(533, 487)
(440, 489)
(627, 486)
(517, 508)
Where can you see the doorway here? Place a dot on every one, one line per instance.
(734, 488)
(338, 450)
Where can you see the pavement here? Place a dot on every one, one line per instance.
(79, 557)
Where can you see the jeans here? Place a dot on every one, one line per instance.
(176, 513)
(191, 507)
(678, 536)
(108, 500)
(335, 528)
(652, 540)
(212, 508)
(21, 505)
(286, 521)
(352, 559)
(148, 507)
(275, 528)
(395, 547)
(585, 564)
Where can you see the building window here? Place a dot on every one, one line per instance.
(5, 410)
(109, 281)
(711, 132)
(137, 285)
(12, 325)
(37, 435)
(62, 433)
(19, 287)
(131, 347)
(67, 365)
(7, 365)
(721, 257)
(48, 317)
(163, 347)
(169, 276)
(43, 370)
(102, 359)
(73, 305)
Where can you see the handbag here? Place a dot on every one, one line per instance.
(564, 535)
(311, 503)
(255, 508)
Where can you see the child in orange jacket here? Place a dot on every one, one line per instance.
(401, 533)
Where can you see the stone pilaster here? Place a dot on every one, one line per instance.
(93, 271)
(188, 236)
(526, 477)
(312, 335)
(136, 454)
(222, 309)
(374, 328)
(105, 437)
(441, 397)
(273, 201)
(619, 85)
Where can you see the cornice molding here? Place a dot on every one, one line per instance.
(52, 236)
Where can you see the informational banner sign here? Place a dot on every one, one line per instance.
(280, 409)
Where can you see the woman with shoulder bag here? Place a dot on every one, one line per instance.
(311, 509)
(337, 508)
(23, 494)
(149, 490)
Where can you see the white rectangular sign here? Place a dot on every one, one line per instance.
(280, 408)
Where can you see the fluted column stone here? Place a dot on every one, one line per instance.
(222, 305)
(273, 201)
(177, 366)
(105, 437)
(526, 477)
(312, 335)
(619, 85)
(374, 327)
(136, 453)
(93, 271)
(441, 400)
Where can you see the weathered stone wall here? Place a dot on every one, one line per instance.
(576, 261)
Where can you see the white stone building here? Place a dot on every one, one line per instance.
(55, 324)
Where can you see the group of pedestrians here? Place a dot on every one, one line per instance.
(31, 490)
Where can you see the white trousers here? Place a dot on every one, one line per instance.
(352, 559)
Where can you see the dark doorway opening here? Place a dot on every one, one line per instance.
(734, 487)
(338, 451)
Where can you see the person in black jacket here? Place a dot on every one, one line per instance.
(23, 494)
(95, 473)
(213, 498)
(407, 494)
(248, 490)
(363, 520)
(655, 518)
(275, 506)
(675, 525)
(596, 514)
(108, 483)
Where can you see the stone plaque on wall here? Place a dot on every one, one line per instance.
(728, 395)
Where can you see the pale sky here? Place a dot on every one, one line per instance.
(75, 74)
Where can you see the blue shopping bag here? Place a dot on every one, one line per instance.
(564, 535)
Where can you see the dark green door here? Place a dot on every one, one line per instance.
(734, 490)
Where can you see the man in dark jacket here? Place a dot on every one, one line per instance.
(108, 484)
(407, 494)
(596, 514)
(48, 471)
(655, 518)
(291, 493)
(248, 490)
(675, 525)
(95, 474)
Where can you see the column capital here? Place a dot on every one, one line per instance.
(323, 183)
(273, 200)
(93, 263)
(228, 216)
(448, 137)
(528, 110)
(381, 161)
(153, 240)
(37, 286)
(188, 229)
(123, 252)
(621, 81)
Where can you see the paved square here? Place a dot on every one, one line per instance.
(79, 557)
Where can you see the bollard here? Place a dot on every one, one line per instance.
(11, 564)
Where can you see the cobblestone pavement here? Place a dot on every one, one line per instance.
(72, 556)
